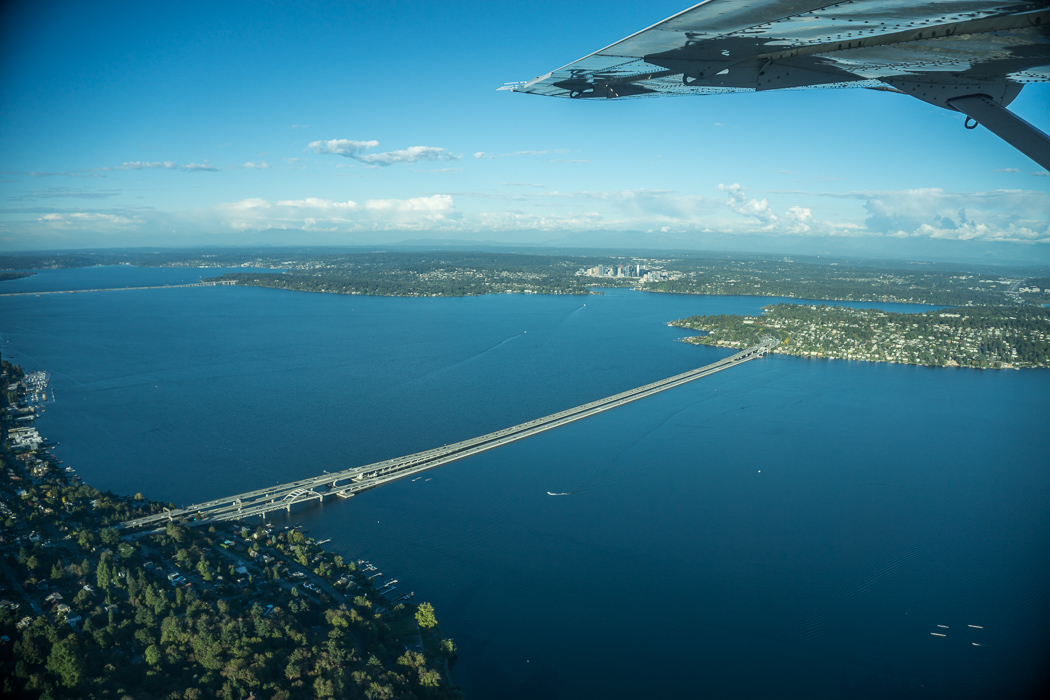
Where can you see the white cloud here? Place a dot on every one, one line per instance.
(342, 147)
(165, 165)
(1042, 173)
(1006, 215)
(995, 216)
(257, 166)
(407, 155)
(320, 204)
(314, 213)
(999, 215)
(435, 205)
(1007, 170)
(752, 208)
(86, 220)
(798, 219)
(356, 150)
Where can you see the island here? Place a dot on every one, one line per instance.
(228, 610)
(983, 337)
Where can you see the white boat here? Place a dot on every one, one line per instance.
(938, 634)
(551, 493)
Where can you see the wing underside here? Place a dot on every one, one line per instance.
(752, 45)
(972, 56)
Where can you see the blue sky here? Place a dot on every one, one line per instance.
(365, 123)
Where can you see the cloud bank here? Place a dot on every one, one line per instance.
(315, 213)
(1012, 216)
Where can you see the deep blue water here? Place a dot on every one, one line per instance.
(891, 499)
(112, 277)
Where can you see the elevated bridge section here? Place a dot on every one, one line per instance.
(348, 482)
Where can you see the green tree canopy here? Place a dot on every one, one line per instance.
(66, 664)
(425, 616)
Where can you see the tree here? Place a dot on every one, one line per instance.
(103, 574)
(86, 539)
(153, 655)
(425, 616)
(429, 678)
(323, 688)
(412, 659)
(66, 663)
(109, 536)
(202, 569)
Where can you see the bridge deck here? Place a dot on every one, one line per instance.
(283, 496)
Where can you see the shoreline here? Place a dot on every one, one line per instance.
(972, 337)
(146, 611)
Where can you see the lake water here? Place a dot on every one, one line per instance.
(789, 528)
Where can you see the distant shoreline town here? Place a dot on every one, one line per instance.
(978, 337)
(997, 319)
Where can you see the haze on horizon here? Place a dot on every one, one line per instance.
(128, 125)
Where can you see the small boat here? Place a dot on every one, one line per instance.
(943, 626)
(938, 634)
(567, 493)
(976, 627)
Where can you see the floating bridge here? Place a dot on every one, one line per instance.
(349, 482)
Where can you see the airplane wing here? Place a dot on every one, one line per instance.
(971, 56)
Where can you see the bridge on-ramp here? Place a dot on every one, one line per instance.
(349, 482)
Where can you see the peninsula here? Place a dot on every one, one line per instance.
(186, 613)
(985, 337)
